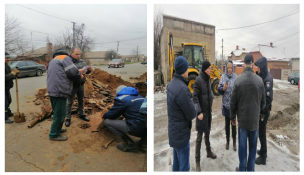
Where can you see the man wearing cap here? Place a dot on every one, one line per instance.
(9, 76)
(203, 97)
(78, 88)
(181, 112)
(61, 74)
(127, 103)
(247, 100)
(261, 63)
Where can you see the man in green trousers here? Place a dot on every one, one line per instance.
(61, 72)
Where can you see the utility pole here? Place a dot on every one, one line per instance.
(117, 49)
(32, 41)
(222, 49)
(73, 34)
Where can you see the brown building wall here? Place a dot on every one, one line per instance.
(185, 31)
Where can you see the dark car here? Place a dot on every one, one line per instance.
(144, 62)
(28, 68)
(116, 63)
(294, 78)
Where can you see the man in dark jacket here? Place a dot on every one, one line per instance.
(9, 76)
(78, 88)
(181, 112)
(61, 74)
(203, 97)
(261, 63)
(127, 103)
(247, 100)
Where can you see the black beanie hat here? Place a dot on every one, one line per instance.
(60, 52)
(180, 65)
(7, 55)
(248, 59)
(205, 65)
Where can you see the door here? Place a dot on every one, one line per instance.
(31, 67)
(22, 67)
(276, 73)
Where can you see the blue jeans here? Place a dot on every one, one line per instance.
(181, 158)
(252, 138)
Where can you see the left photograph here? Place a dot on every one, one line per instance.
(75, 88)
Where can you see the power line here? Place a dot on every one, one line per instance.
(122, 40)
(258, 23)
(42, 13)
(278, 34)
(286, 37)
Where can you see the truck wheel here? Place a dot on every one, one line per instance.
(191, 79)
(214, 86)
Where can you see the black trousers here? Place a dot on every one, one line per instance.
(262, 135)
(8, 101)
(199, 142)
(227, 128)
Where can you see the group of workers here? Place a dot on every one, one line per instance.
(247, 97)
(66, 76)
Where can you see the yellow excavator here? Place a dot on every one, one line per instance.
(195, 54)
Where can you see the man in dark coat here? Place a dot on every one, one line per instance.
(78, 88)
(9, 76)
(60, 76)
(181, 112)
(127, 103)
(203, 97)
(247, 100)
(261, 63)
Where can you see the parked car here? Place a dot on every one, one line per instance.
(28, 68)
(116, 63)
(144, 62)
(294, 78)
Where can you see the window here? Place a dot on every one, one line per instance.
(22, 64)
(257, 55)
(31, 63)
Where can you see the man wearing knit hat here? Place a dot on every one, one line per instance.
(203, 97)
(247, 100)
(181, 112)
(127, 103)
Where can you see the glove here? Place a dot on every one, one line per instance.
(15, 72)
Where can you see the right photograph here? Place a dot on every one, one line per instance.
(227, 87)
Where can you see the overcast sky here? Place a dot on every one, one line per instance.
(284, 33)
(107, 24)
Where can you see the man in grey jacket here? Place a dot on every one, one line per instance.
(247, 100)
(61, 74)
(78, 88)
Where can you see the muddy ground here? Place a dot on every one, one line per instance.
(30, 150)
(283, 135)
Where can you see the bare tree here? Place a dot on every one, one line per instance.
(111, 54)
(15, 41)
(158, 25)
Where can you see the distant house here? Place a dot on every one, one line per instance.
(295, 64)
(277, 62)
(134, 58)
(96, 57)
(41, 55)
(238, 54)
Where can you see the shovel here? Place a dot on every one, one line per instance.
(18, 117)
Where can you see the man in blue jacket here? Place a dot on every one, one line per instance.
(61, 74)
(181, 112)
(127, 103)
(261, 63)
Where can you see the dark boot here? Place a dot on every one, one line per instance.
(234, 143)
(8, 121)
(198, 166)
(10, 114)
(260, 160)
(210, 153)
(67, 122)
(129, 144)
(227, 143)
(59, 138)
(259, 153)
(84, 117)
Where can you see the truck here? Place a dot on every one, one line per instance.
(195, 54)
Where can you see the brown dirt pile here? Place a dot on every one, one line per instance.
(143, 77)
